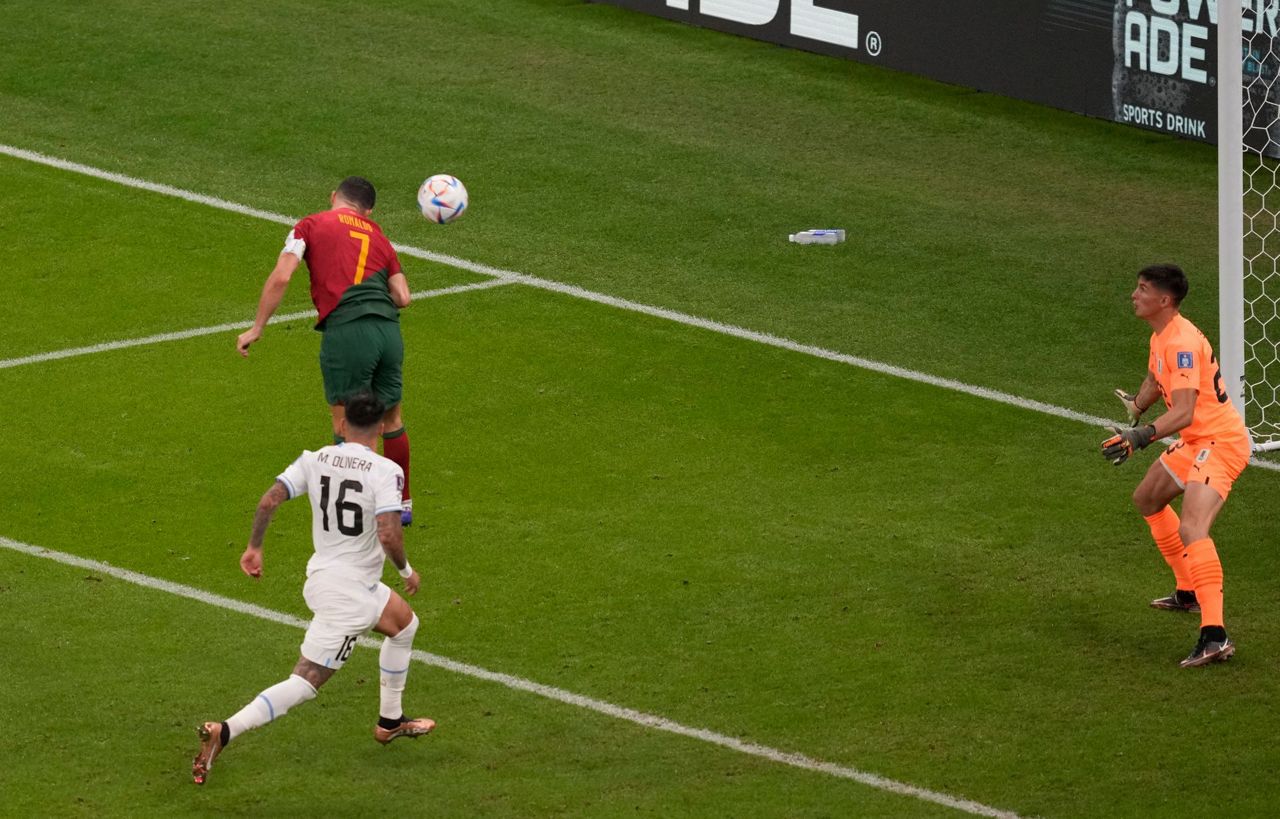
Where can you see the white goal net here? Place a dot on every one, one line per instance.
(1257, 290)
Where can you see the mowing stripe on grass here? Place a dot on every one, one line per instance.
(589, 295)
(520, 684)
(220, 328)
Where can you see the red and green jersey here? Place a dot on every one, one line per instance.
(350, 262)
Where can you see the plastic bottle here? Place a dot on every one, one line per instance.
(817, 237)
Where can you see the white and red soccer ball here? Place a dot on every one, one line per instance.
(442, 198)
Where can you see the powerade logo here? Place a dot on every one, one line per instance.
(1171, 37)
(1165, 53)
(810, 19)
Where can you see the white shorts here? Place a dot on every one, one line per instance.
(344, 609)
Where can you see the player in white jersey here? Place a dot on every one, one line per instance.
(355, 509)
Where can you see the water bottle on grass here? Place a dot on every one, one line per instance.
(817, 237)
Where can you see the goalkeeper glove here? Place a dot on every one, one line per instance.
(1123, 442)
(1130, 406)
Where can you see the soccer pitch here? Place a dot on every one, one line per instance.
(761, 544)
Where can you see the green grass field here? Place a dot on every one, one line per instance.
(876, 573)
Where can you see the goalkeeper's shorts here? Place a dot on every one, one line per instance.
(1216, 463)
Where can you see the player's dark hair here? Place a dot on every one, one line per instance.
(358, 191)
(364, 410)
(1167, 278)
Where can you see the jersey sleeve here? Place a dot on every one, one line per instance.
(388, 490)
(296, 241)
(294, 477)
(1185, 360)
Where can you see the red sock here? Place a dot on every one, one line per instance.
(395, 445)
(1206, 571)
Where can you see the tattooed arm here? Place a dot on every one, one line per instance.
(251, 560)
(391, 536)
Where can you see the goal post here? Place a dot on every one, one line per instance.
(1249, 214)
(1231, 203)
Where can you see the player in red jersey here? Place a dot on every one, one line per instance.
(358, 289)
(1212, 450)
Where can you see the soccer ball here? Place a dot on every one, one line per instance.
(442, 198)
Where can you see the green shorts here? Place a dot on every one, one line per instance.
(364, 354)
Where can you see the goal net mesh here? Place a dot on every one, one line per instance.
(1261, 235)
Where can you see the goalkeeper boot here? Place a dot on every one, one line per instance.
(406, 728)
(210, 746)
(406, 514)
(1180, 600)
(1214, 646)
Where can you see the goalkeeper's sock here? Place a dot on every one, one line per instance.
(1206, 573)
(395, 445)
(274, 702)
(1164, 528)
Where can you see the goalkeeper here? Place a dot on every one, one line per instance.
(1212, 450)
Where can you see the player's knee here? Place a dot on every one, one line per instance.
(313, 674)
(1147, 504)
(406, 634)
(1191, 531)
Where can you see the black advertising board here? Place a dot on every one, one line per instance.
(1149, 63)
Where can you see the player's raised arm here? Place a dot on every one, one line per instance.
(391, 536)
(272, 293)
(251, 560)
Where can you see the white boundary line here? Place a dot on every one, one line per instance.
(520, 684)
(220, 328)
(590, 295)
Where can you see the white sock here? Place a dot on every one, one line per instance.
(393, 663)
(274, 702)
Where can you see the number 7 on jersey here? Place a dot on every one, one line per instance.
(363, 238)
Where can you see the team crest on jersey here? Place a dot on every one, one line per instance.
(1203, 456)
(1185, 361)
(1159, 366)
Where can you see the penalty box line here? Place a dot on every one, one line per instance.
(640, 718)
(599, 298)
